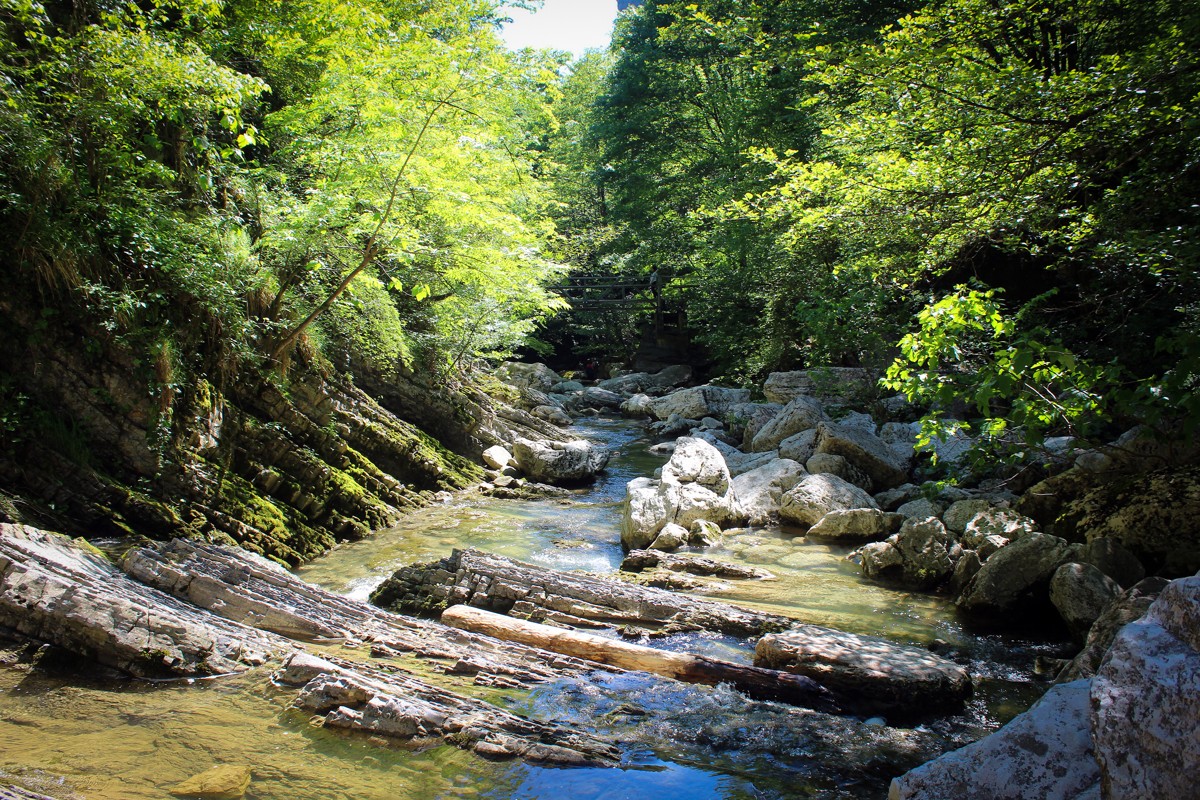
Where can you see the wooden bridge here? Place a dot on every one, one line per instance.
(603, 292)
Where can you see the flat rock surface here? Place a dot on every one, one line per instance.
(1045, 753)
(874, 675)
(57, 590)
(523, 590)
(638, 560)
(54, 589)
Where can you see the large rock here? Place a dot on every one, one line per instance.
(645, 511)
(921, 507)
(952, 450)
(1045, 753)
(961, 512)
(801, 414)
(749, 419)
(901, 438)
(552, 414)
(691, 503)
(736, 461)
(816, 495)
(871, 675)
(865, 451)
(560, 462)
(921, 557)
(758, 494)
(836, 384)
(1016, 575)
(1156, 517)
(1129, 606)
(830, 464)
(642, 381)
(59, 591)
(740, 463)
(996, 522)
(497, 457)
(854, 525)
(697, 461)
(799, 447)
(1081, 592)
(594, 397)
(1146, 700)
(637, 406)
(528, 376)
(1108, 556)
(670, 538)
(698, 402)
(694, 487)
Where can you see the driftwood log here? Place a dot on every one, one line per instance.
(761, 684)
(868, 674)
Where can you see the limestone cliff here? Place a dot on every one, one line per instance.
(96, 437)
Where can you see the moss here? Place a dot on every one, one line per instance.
(278, 530)
(341, 483)
(84, 544)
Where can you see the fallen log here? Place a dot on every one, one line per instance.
(868, 674)
(761, 684)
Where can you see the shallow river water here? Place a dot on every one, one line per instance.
(129, 739)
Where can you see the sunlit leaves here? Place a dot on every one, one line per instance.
(1022, 384)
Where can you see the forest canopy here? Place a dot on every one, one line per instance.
(234, 179)
(991, 200)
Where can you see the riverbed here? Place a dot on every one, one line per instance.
(117, 738)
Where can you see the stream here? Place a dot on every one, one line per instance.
(112, 737)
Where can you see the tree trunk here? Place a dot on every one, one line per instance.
(761, 684)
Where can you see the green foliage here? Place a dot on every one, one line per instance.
(1041, 148)
(405, 158)
(1020, 383)
(697, 91)
(206, 178)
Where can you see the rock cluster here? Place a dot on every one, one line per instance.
(808, 462)
(188, 609)
(1128, 731)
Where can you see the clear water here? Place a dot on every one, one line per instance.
(127, 739)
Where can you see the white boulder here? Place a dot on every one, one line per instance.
(757, 494)
(559, 462)
(801, 414)
(816, 495)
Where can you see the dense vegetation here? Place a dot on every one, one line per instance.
(205, 202)
(353, 174)
(998, 197)
(994, 197)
